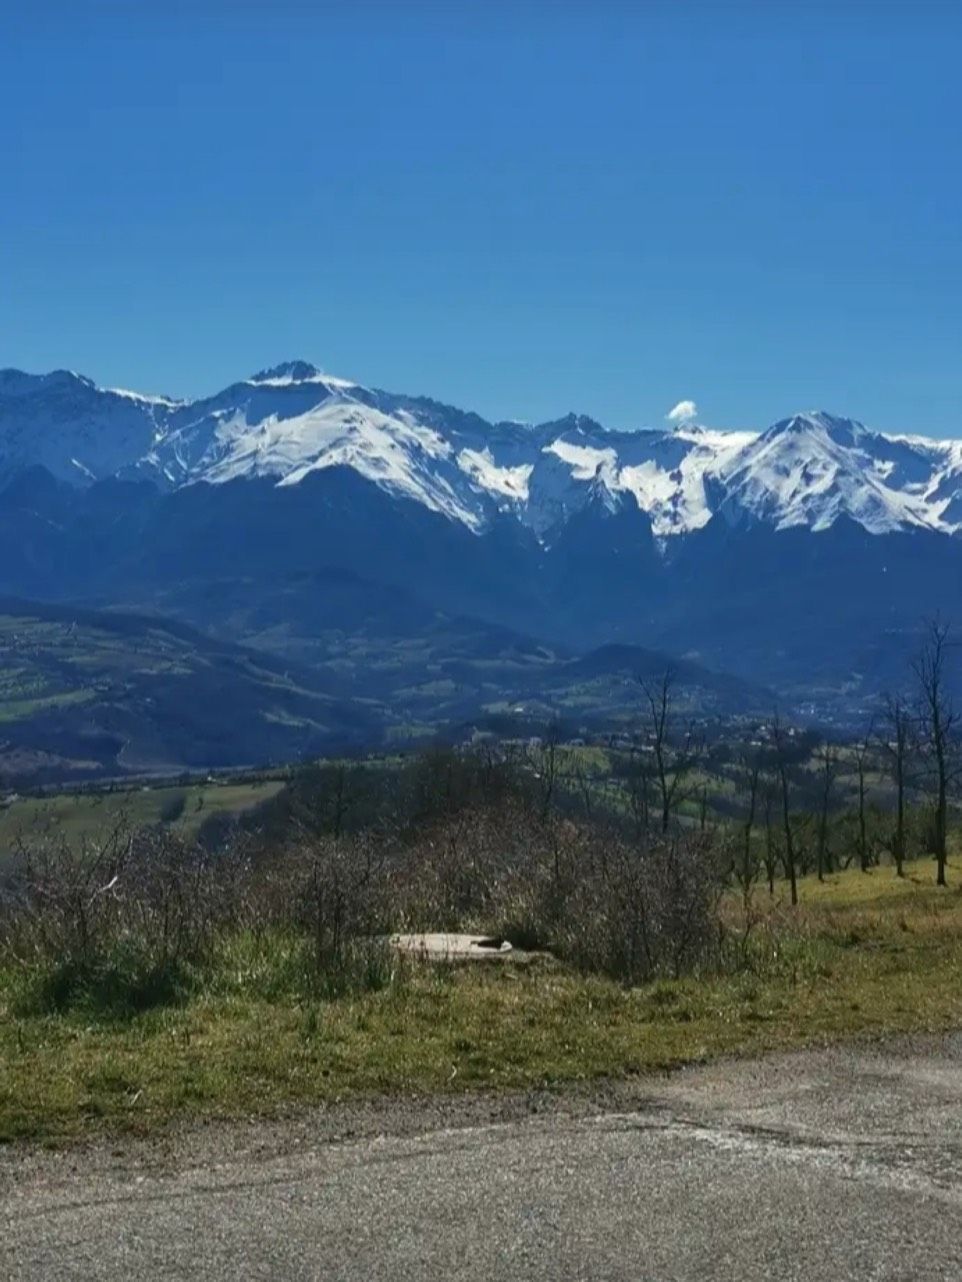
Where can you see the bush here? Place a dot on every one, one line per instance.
(648, 911)
(117, 924)
(120, 982)
(628, 909)
(330, 890)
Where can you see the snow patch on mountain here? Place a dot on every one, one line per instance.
(79, 432)
(396, 452)
(586, 461)
(560, 485)
(143, 397)
(502, 481)
(670, 485)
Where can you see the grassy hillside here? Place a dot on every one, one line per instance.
(864, 954)
(73, 817)
(86, 693)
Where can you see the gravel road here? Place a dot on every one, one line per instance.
(828, 1165)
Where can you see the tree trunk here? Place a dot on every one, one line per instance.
(898, 845)
(789, 841)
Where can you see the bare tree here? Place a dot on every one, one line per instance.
(586, 784)
(751, 774)
(938, 723)
(861, 751)
(639, 789)
(546, 771)
(896, 741)
(780, 743)
(771, 849)
(703, 807)
(827, 757)
(323, 798)
(674, 761)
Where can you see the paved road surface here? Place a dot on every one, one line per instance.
(824, 1165)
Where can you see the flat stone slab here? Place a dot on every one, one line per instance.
(441, 946)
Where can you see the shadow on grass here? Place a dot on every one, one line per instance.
(116, 988)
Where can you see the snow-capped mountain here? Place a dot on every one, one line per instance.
(793, 555)
(292, 420)
(79, 432)
(811, 469)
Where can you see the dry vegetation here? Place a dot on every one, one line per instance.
(147, 976)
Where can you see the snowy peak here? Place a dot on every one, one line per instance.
(604, 494)
(810, 470)
(579, 424)
(843, 431)
(294, 372)
(14, 382)
(291, 371)
(79, 432)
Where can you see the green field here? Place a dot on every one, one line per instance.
(76, 816)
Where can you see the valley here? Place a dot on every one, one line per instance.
(90, 695)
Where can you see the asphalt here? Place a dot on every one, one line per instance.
(828, 1165)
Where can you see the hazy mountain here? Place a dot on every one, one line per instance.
(86, 693)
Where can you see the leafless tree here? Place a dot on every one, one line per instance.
(771, 846)
(674, 756)
(545, 765)
(324, 798)
(780, 742)
(751, 775)
(827, 758)
(895, 740)
(639, 789)
(861, 751)
(938, 721)
(585, 784)
(703, 807)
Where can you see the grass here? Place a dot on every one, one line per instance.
(864, 954)
(19, 709)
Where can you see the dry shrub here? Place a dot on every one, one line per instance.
(624, 908)
(133, 920)
(330, 889)
(647, 910)
(116, 923)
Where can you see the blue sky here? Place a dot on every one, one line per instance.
(522, 210)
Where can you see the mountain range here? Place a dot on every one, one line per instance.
(345, 529)
(285, 423)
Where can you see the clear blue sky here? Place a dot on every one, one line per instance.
(602, 207)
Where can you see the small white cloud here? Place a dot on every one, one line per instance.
(684, 412)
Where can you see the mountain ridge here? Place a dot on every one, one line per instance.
(289, 420)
